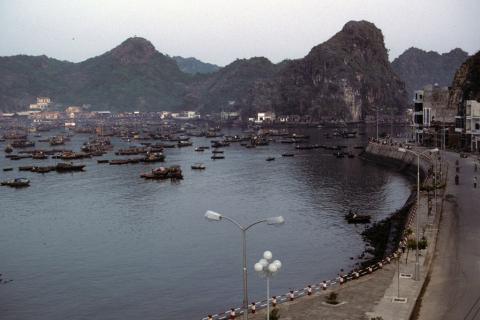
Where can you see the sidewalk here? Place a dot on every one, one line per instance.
(374, 295)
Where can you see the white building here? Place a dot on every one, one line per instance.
(472, 124)
(265, 116)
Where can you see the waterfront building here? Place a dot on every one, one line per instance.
(472, 124)
(431, 109)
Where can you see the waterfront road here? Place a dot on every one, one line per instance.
(452, 288)
(449, 277)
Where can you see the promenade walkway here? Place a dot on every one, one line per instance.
(376, 295)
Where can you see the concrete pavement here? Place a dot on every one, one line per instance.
(389, 293)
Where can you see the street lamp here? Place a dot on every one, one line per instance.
(277, 221)
(418, 202)
(266, 269)
(377, 121)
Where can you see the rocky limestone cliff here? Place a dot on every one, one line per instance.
(347, 76)
(419, 68)
(466, 84)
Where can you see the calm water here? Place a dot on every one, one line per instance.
(106, 244)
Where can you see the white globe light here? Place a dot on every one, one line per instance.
(258, 267)
(277, 263)
(263, 262)
(267, 255)
(272, 267)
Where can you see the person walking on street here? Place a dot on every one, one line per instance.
(475, 182)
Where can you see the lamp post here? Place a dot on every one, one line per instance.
(277, 221)
(266, 269)
(418, 203)
(377, 123)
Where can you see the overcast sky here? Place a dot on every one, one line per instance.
(220, 31)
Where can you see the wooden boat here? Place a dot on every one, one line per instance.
(270, 159)
(218, 157)
(7, 169)
(39, 155)
(102, 161)
(306, 147)
(198, 166)
(15, 135)
(199, 149)
(17, 183)
(43, 169)
(69, 167)
(287, 154)
(183, 143)
(26, 168)
(8, 148)
(217, 151)
(23, 144)
(153, 157)
(358, 218)
(174, 172)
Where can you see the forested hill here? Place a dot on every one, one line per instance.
(132, 76)
(419, 68)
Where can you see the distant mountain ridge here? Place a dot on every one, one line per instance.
(194, 66)
(348, 77)
(419, 68)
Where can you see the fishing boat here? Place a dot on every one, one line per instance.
(17, 183)
(23, 144)
(354, 218)
(198, 166)
(69, 167)
(174, 172)
(153, 157)
(8, 148)
(287, 154)
(217, 157)
(270, 159)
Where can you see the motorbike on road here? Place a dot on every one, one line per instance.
(456, 179)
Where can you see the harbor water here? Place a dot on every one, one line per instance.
(106, 244)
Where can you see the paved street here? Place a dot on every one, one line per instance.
(453, 284)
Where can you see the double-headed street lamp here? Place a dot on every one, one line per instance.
(266, 269)
(277, 221)
(418, 202)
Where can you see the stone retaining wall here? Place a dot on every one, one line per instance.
(402, 161)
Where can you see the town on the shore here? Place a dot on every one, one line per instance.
(434, 120)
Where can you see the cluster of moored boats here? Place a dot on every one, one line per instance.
(148, 151)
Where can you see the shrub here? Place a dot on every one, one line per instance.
(332, 298)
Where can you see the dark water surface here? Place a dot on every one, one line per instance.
(106, 244)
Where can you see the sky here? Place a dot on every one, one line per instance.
(221, 31)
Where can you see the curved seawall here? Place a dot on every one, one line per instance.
(403, 161)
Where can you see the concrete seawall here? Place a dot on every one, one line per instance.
(402, 161)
